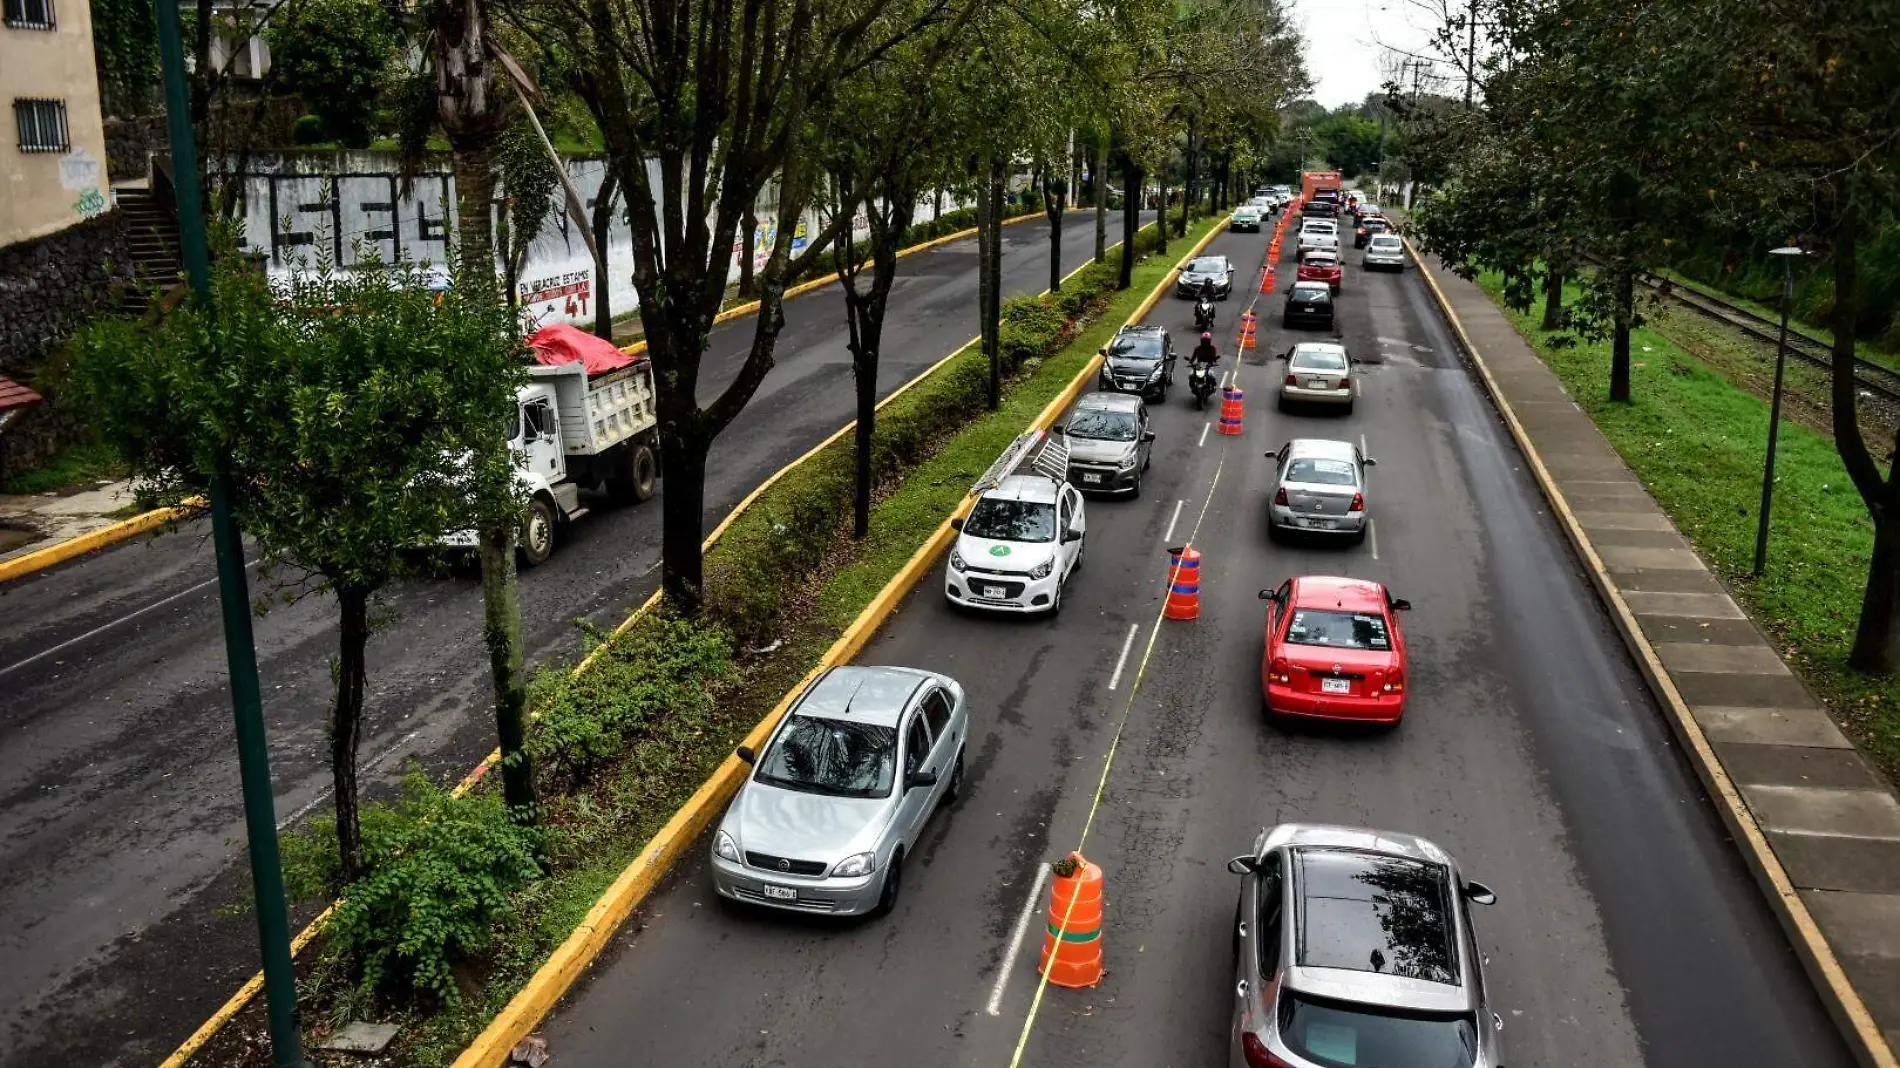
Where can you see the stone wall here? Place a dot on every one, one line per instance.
(130, 144)
(49, 287)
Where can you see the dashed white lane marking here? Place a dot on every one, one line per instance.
(995, 1007)
(103, 627)
(1372, 536)
(1205, 427)
(1169, 536)
(1122, 660)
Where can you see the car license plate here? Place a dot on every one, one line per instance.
(1088, 477)
(1328, 686)
(1320, 524)
(1317, 383)
(786, 893)
(992, 591)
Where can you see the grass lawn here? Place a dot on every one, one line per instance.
(1696, 440)
(75, 465)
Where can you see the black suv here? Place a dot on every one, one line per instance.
(1139, 360)
(1308, 302)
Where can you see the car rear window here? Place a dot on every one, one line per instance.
(1311, 293)
(1320, 472)
(1383, 242)
(1343, 1034)
(1320, 259)
(1366, 912)
(1319, 359)
(1338, 630)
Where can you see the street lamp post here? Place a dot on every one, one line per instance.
(1788, 254)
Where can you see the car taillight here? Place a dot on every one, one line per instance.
(1395, 681)
(1279, 496)
(1358, 502)
(1257, 1054)
(1292, 380)
(1345, 380)
(1280, 672)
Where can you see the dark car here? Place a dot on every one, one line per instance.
(1321, 209)
(1213, 269)
(1369, 226)
(1139, 360)
(1308, 304)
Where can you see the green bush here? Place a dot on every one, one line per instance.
(661, 667)
(307, 130)
(437, 873)
(1031, 327)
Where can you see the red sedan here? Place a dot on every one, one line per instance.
(1321, 266)
(1334, 650)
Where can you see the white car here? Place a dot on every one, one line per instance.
(1017, 547)
(1318, 372)
(1318, 234)
(1384, 252)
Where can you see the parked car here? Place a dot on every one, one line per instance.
(1356, 947)
(840, 793)
(1333, 649)
(1385, 252)
(1213, 269)
(1318, 372)
(1321, 265)
(1139, 360)
(1110, 443)
(1247, 218)
(1309, 303)
(1319, 487)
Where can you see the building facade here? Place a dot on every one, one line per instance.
(53, 153)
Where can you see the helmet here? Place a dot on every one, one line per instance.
(1207, 335)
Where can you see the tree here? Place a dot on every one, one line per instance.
(333, 53)
(341, 405)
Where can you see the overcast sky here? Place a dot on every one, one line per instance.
(1343, 39)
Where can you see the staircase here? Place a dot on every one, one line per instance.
(151, 236)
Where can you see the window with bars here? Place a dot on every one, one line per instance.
(42, 125)
(30, 14)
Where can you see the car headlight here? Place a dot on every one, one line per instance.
(1128, 462)
(726, 848)
(1154, 374)
(956, 561)
(856, 865)
(1042, 570)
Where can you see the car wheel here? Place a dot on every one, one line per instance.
(1349, 407)
(537, 533)
(1134, 491)
(955, 789)
(1281, 403)
(1273, 531)
(1055, 606)
(893, 884)
(1359, 536)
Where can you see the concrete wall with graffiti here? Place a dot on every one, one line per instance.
(303, 211)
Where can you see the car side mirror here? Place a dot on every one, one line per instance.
(957, 524)
(1071, 535)
(1370, 462)
(1058, 431)
(746, 754)
(1147, 435)
(1103, 351)
(920, 778)
(1266, 595)
(1479, 894)
(1242, 865)
(1400, 604)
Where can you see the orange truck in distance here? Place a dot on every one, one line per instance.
(1312, 182)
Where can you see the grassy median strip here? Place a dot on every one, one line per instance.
(620, 747)
(1697, 441)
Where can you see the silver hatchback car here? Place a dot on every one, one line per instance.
(1355, 947)
(1319, 486)
(840, 794)
(1318, 372)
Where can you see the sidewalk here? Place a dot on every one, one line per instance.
(29, 524)
(1815, 823)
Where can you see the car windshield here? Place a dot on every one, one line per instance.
(1001, 520)
(832, 756)
(1319, 359)
(1137, 347)
(1338, 630)
(1343, 1034)
(1209, 265)
(1311, 293)
(1321, 472)
(1100, 425)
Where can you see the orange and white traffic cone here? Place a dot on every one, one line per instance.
(1072, 944)
(1233, 410)
(1184, 584)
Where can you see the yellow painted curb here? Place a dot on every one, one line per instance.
(252, 986)
(1824, 968)
(41, 559)
(532, 1003)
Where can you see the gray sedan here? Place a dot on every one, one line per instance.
(1318, 372)
(1356, 947)
(839, 796)
(1319, 486)
(1109, 443)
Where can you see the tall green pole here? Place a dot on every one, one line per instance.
(240, 651)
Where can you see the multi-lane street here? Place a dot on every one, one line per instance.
(119, 818)
(1627, 930)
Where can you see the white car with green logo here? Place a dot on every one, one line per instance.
(1023, 538)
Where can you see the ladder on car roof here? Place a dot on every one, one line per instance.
(1046, 454)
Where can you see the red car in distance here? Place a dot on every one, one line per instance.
(1334, 650)
(1320, 265)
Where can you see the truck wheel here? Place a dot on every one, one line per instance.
(537, 533)
(646, 471)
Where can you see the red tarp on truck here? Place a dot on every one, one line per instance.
(561, 343)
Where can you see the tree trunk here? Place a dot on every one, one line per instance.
(865, 317)
(501, 632)
(1100, 171)
(1161, 218)
(1055, 201)
(1875, 635)
(1625, 296)
(1553, 297)
(346, 725)
(1193, 165)
(682, 517)
(1131, 221)
(603, 270)
(749, 227)
(989, 256)
(474, 196)
(936, 206)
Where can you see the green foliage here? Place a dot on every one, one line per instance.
(664, 667)
(75, 465)
(334, 53)
(308, 130)
(125, 46)
(1031, 328)
(437, 874)
(528, 182)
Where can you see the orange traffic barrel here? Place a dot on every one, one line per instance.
(1266, 278)
(1184, 584)
(1246, 330)
(1233, 409)
(1072, 946)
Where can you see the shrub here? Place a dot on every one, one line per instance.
(663, 666)
(1031, 327)
(307, 130)
(437, 873)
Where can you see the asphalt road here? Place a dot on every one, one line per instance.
(1627, 930)
(120, 826)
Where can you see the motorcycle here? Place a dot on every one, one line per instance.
(1203, 314)
(1201, 382)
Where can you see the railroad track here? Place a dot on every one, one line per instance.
(1872, 377)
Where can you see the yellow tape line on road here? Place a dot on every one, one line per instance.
(1844, 1002)
(255, 984)
(535, 999)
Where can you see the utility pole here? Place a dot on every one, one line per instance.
(1471, 50)
(1787, 254)
(234, 599)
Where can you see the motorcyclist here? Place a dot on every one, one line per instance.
(1208, 291)
(1205, 351)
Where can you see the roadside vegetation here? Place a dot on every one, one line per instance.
(81, 464)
